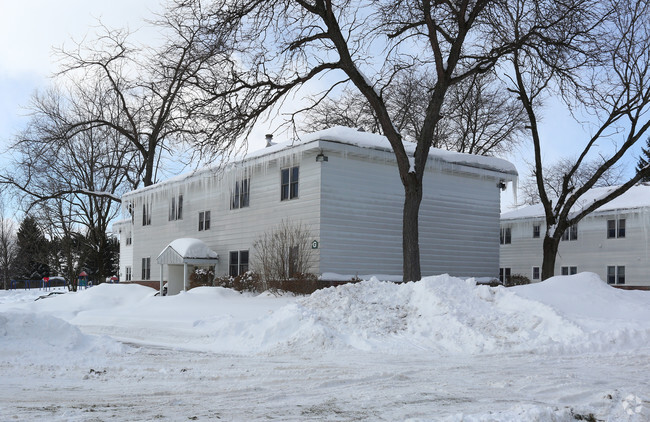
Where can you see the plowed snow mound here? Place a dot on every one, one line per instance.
(46, 339)
(449, 315)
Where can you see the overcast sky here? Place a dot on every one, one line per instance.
(29, 29)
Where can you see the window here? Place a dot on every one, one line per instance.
(146, 268)
(536, 231)
(571, 233)
(616, 228)
(128, 274)
(289, 183)
(616, 274)
(204, 220)
(569, 270)
(536, 273)
(504, 275)
(129, 239)
(505, 236)
(176, 208)
(240, 197)
(146, 214)
(238, 263)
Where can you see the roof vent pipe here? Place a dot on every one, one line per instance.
(269, 140)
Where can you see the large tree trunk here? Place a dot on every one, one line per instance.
(550, 253)
(410, 228)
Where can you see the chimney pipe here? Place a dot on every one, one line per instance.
(269, 140)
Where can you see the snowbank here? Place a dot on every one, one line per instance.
(441, 314)
(447, 315)
(42, 339)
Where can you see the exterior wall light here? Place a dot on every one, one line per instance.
(321, 157)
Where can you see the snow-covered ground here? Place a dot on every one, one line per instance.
(571, 348)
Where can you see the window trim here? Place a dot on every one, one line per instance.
(176, 208)
(146, 268)
(128, 273)
(241, 194)
(536, 231)
(289, 189)
(238, 266)
(617, 229)
(539, 273)
(505, 236)
(570, 269)
(571, 233)
(204, 220)
(617, 276)
(505, 273)
(146, 214)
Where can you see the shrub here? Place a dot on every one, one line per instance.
(300, 284)
(283, 253)
(201, 277)
(247, 282)
(517, 280)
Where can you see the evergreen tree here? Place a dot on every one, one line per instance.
(32, 251)
(644, 159)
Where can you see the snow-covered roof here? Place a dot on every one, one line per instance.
(186, 250)
(350, 136)
(636, 197)
(354, 137)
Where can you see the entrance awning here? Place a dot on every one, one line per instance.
(184, 252)
(187, 251)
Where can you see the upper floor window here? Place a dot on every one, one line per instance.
(505, 236)
(238, 263)
(616, 228)
(240, 197)
(146, 214)
(571, 233)
(176, 208)
(536, 231)
(129, 239)
(616, 274)
(204, 220)
(289, 183)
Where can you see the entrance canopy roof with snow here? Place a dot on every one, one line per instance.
(188, 251)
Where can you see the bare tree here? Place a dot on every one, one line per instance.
(7, 246)
(599, 64)
(146, 95)
(480, 116)
(554, 178)
(74, 183)
(644, 160)
(284, 252)
(279, 46)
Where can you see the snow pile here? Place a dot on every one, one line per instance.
(42, 339)
(441, 314)
(444, 314)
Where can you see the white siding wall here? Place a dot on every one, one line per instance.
(361, 219)
(592, 252)
(230, 230)
(352, 204)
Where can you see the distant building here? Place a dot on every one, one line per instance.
(613, 241)
(340, 183)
